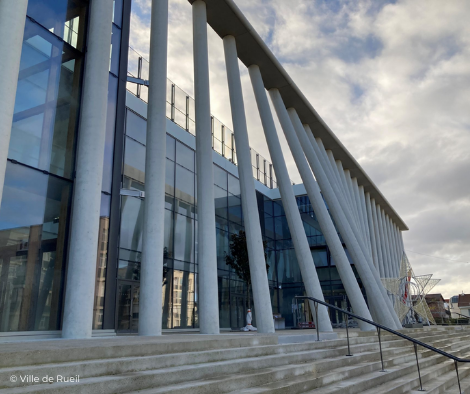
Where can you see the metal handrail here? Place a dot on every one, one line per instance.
(464, 316)
(381, 327)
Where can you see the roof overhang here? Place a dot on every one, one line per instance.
(226, 19)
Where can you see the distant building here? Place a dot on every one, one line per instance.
(438, 307)
(464, 304)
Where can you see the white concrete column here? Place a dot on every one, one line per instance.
(307, 264)
(206, 241)
(362, 198)
(80, 285)
(349, 186)
(12, 22)
(380, 305)
(387, 244)
(339, 167)
(299, 238)
(355, 191)
(395, 247)
(393, 254)
(150, 311)
(254, 239)
(383, 245)
(399, 247)
(298, 144)
(378, 240)
(370, 228)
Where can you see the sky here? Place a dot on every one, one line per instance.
(390, 78)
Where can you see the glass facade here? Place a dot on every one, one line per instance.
(179, 287)
(35, 208)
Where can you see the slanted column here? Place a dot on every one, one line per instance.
(80, 285)
(12, 22)
(380, 305)
(383, 245)
(359, 209)
(362, 200)
(386, 244)
(206, 241)
(399, 248)
(393, 252)
(370, 227)
(299, 238)
(254, 239)
(150, 312)
(347, 194)
(396, 247)
(297, 139)
(378, 239)
(349, 186)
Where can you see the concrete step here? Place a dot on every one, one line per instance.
(464, 385)
(348, 379)
(291, 363)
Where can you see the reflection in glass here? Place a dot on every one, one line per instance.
(183, 299)
(33, 227)
(64, 18)
(185, 156)
(220, 177)
(235, 209)
(134, 160)
(46, 106)
(136, 127)
(184, 238)
(220, 201)
(101, 262)
(184, 189)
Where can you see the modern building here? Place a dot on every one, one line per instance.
(120, 193)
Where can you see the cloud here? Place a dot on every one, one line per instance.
(390, 78)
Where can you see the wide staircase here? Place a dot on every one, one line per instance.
(234, 363)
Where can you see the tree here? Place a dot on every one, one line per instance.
(239, 261)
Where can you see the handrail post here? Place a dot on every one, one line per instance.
(417, 364)
(458, 378)
(380, 348)
(347, 336)
(316, 321)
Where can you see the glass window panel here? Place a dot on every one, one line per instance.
(320, 258)
(128, 270)
(185, 156)
(281, 228)
(192, 127)
(132, 213)
(115, 50)
(180, 100)
(184, 238)
(217, 146)
(220, 177)
(288, 270)
(217, 129)
(64, 18)
(110, 132)
(228, 137)
(184, 189)
(235, 209)
(223, 249)
(117, 12)
(46, 106)
(180, 119)
(184, 310)
(136, 127)
(33, 227)
(134, 160)
(132, 216)
(170, 147)
(170, 178)
(221, 223)
(192, 109)
(220, 201)
(233, 185)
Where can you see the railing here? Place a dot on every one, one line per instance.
(380, 327)
(181, 110)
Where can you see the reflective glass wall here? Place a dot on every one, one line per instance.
(35, 209)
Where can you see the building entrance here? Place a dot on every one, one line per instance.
(238, 311)
(127, 316)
